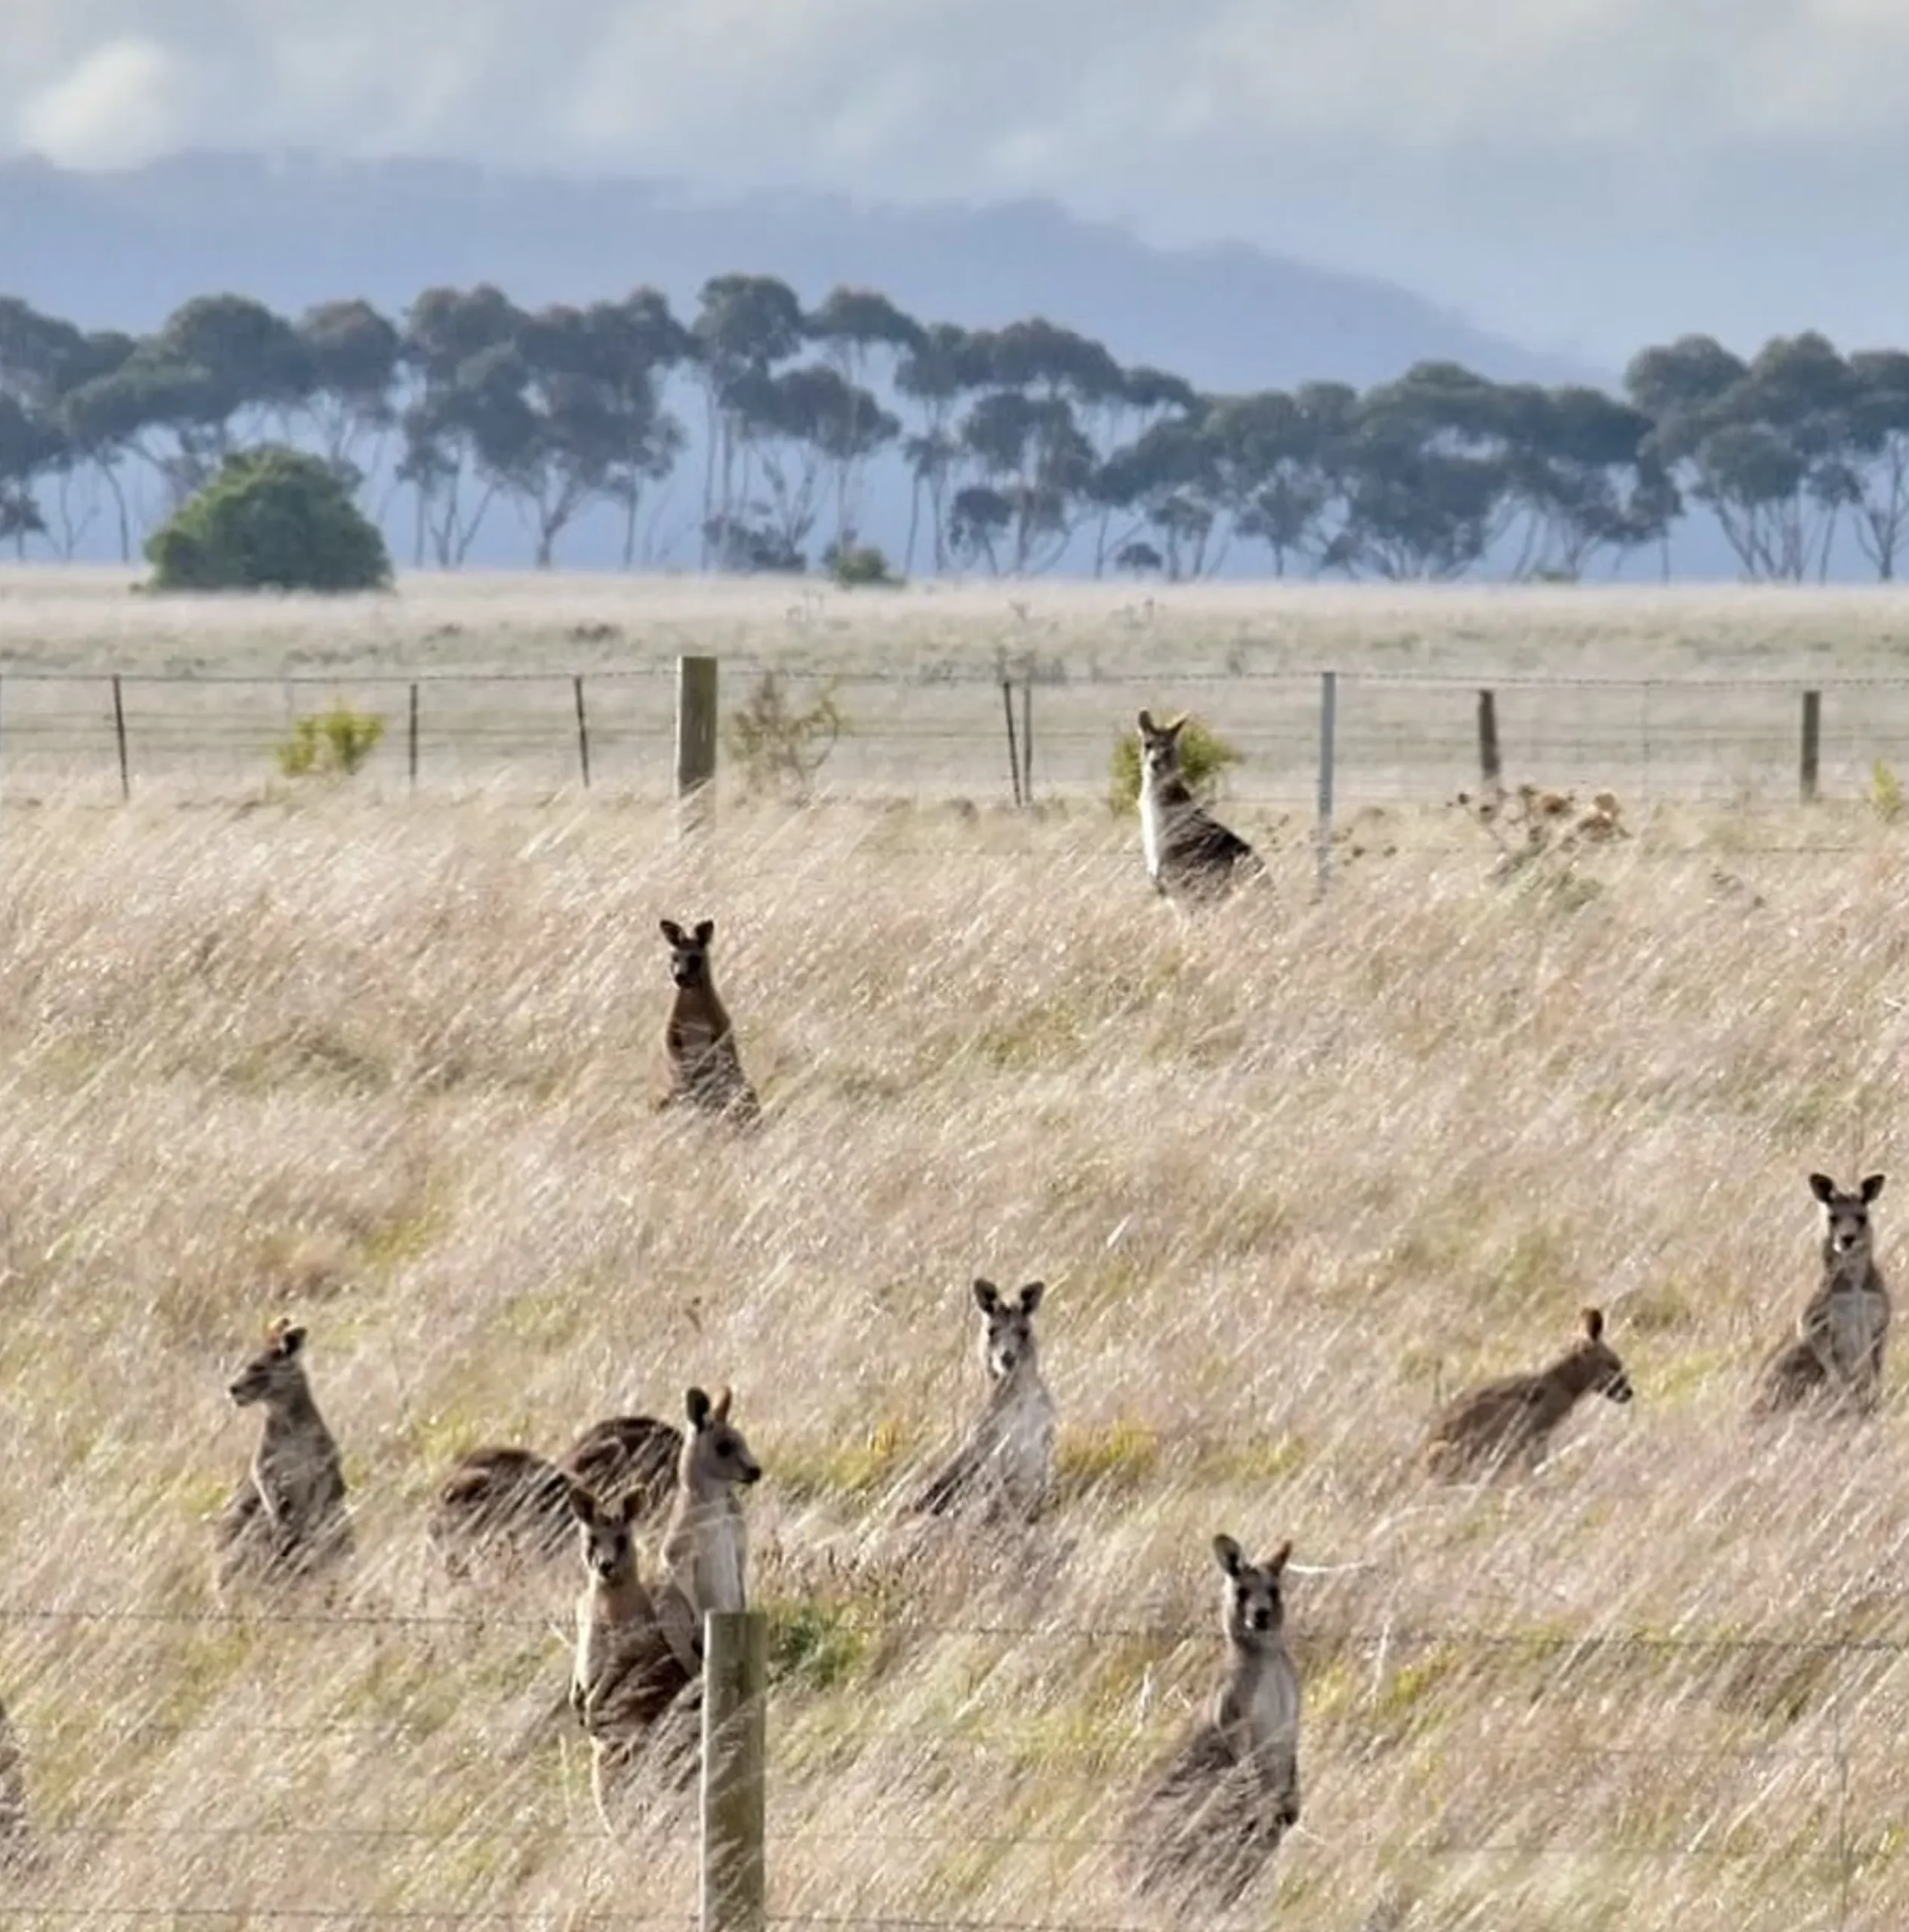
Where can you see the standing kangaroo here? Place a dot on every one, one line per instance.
(704, 1547)
(1216, 1813)
(287, 1518)
(699, 1040)
(1837, 1355)
(626, 1678)
(1484, 1431)
(1189, 853)
(1007, 1461)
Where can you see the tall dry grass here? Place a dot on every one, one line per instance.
(1292, 1171)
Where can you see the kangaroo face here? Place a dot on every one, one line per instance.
(604, 1535)
(1255, 1609)
(274, 1370)
(1007, 1338)
(1606, 1375)
(1160, 746)
(1846, 1231)
(689, 952)
(715, 1450)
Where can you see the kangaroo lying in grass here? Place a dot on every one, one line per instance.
(1511, 1420)
(627, 1680)
(287, 1519)
(1211, 1818)
(706, 1071)
(1006, 1465)
(1190, 855)
(1836, 1358)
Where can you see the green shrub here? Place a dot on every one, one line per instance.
(859, 566)
(334, 743)
(1204, 757)
(779, 749)
(273, 518)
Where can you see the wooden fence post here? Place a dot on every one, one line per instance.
(119, 735)
(582, 732)
(1013, 751)
(735, 1761)
(1491, 769)
(695, 738)
(1812, 743)
(1329, 708)
(411, 737)
(1027, 739)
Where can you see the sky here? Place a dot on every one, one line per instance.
(1582, 175)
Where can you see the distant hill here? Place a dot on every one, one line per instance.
(123, 249)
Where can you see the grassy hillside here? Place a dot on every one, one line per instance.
(1292, 1172)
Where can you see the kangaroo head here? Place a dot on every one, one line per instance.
(1603, 1373)
(1007, 1337)
(604, 1536)
(689, 952)
(275, 1370)
(1847, 1232)
(1253, 1609)
(1159, 746)
(714, 1451)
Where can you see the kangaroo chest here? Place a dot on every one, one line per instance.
(296, 1473)
(720, 1561)
(1266, 1700)
(1023, 1437)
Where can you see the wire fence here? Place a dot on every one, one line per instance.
(1828, 1763)
(1349, 740)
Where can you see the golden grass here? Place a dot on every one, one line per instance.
(1292, 1171)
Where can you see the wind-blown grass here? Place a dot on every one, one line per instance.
(1293, 1171)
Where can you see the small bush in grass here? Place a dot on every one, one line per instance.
(778, 748)
(334, 743)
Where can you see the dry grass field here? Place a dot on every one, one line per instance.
(1293, 1170)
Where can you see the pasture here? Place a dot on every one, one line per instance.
(1293, 1171)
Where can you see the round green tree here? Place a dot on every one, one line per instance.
(273, 518)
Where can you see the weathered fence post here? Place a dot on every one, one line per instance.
(1812, 742)
(735, 1759)
(696, 739)
(1013, 750)
(1329, 706)
(119, 735)
(582, 731)
(1027, 739)
(1491, 768)
(411, 737)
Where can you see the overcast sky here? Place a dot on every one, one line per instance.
(1582, 174)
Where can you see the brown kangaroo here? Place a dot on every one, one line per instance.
(623, 1455)
(1189, 853)
(510, 1505)
(705, 1070)
(1485, 1430)
(1835, 1358)
(1215, 1813)
(626, 1680)
(287, 1519)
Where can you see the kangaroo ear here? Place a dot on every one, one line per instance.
(1280, 1557)
(1822, 1187)
(672, 931)
(987, 1297)
(1031, 1296)
(695, 1406)
(719, 1408)
(1146, 722)
(1231, 1557)
(582, 1504)
(1872, 1186)
(1593, 1320)
(631, 1504)
(705, 931)
(291, 1340)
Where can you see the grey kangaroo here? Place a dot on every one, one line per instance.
(287, 1518)
(1836, 1358)
(1007, 1461)
(706, 1546)
(1190, 855)
(1216, 1813)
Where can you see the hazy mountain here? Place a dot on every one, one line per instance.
(124, 248)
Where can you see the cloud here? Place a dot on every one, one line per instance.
(124, 101)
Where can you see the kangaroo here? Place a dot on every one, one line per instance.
(287, 1518)
(1007, 1461)
(14, 1841)
(626, 1678)
(633, 1454)
(704, 1547)
(1486, 1430)
(511, 1503)
(1217, 1811)
(1189, 853)
(699, 1040)
(1837, 1355)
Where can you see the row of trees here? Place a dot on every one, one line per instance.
(1017, 446)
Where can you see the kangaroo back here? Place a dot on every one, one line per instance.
(621, 1454)
(506, 1506)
